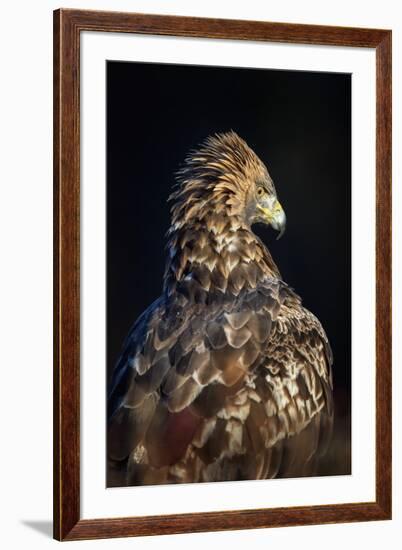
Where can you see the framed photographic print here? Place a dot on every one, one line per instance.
(222, 202)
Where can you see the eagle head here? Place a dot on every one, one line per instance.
(225, 178)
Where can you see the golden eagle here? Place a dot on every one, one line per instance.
(226, 376)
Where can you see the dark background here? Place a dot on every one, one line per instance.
(299, 124)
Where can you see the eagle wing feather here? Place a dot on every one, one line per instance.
(206, 393)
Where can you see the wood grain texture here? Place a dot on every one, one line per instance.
(67, 27)
(66, 277)
(198, 27)
(383, 276)
(229, 520)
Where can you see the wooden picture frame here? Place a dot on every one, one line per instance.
(68, 24)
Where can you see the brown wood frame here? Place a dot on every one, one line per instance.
(68, 25)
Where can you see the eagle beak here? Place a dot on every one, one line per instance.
(276, 217)
(279, 221)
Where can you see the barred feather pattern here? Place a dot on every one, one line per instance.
(226, 376)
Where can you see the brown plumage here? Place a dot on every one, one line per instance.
(226, 376)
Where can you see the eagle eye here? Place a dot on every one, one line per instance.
(261, 192)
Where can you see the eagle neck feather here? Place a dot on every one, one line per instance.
(218, 253)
